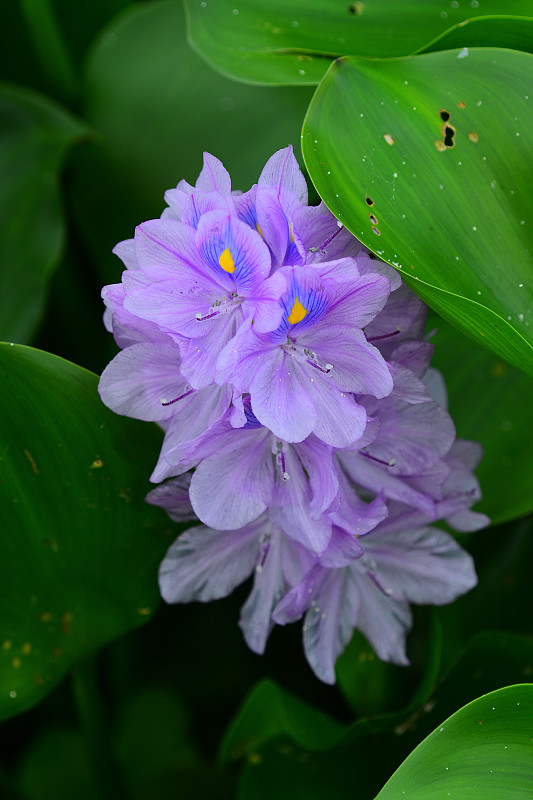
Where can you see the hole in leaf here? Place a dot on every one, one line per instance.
(356, 8)
(375, 230)
(445, 115)
(373, 219)
(369, 201)
(449, 133)
(388, 138)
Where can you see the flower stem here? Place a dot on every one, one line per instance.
(95, 731)
(50, 47)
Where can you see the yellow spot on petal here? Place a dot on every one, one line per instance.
(226, 261)
(258, 229)
(297, 314)
(291, 233)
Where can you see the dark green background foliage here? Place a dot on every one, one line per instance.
(103, 106)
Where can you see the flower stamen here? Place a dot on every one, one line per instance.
(165, 402)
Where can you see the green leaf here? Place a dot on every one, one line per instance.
(513, 33)
(373, 687)
(80, 548)
(284, 761)
(35, 135)
(275, 41)
(457, 222)
(490, 402)
(142, 73)
(268, 712)
(482, 751)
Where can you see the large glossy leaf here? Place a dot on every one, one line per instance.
(276, 756)
(34, 137)
(275, 41)
(79, 546)
(490, 402)
(483, 751)
(158, 107)
(455, 220)
(514, 33)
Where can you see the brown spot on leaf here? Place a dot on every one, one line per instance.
(474, 137)
(32, 462)
(66, 619)
(460, 104)
(439, 144)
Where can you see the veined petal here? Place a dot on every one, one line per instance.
(282, 173)
(188, 425)
(375, 478)
(317, 460)
(201, 203)
(421, 566)
(384, 621)
(233, 487)
(126, 252)
(358, 366)
(340, 421)
(214, 177)
(280, 399)
(200, 354)
(173, 496)
(127, 328)
(330, 622)
(204, 564)
(235, 255)
(267, 309)
(412, 438)
(289, 507)
(355, 303)
(171, 303)
(167, 243)
(141, 379)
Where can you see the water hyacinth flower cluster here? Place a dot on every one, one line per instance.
(303, 424)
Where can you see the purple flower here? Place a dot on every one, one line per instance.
(204, 564)
(290, 373)
(242, 472)
(302, 376)
(421, 565)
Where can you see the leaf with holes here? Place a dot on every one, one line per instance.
(80, 548)
(427, 160)
(34, 138)
(287, 41)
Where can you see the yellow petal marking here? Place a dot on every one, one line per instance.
(226, 261)
(297, 314)
(291, 233)
(258, 229)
